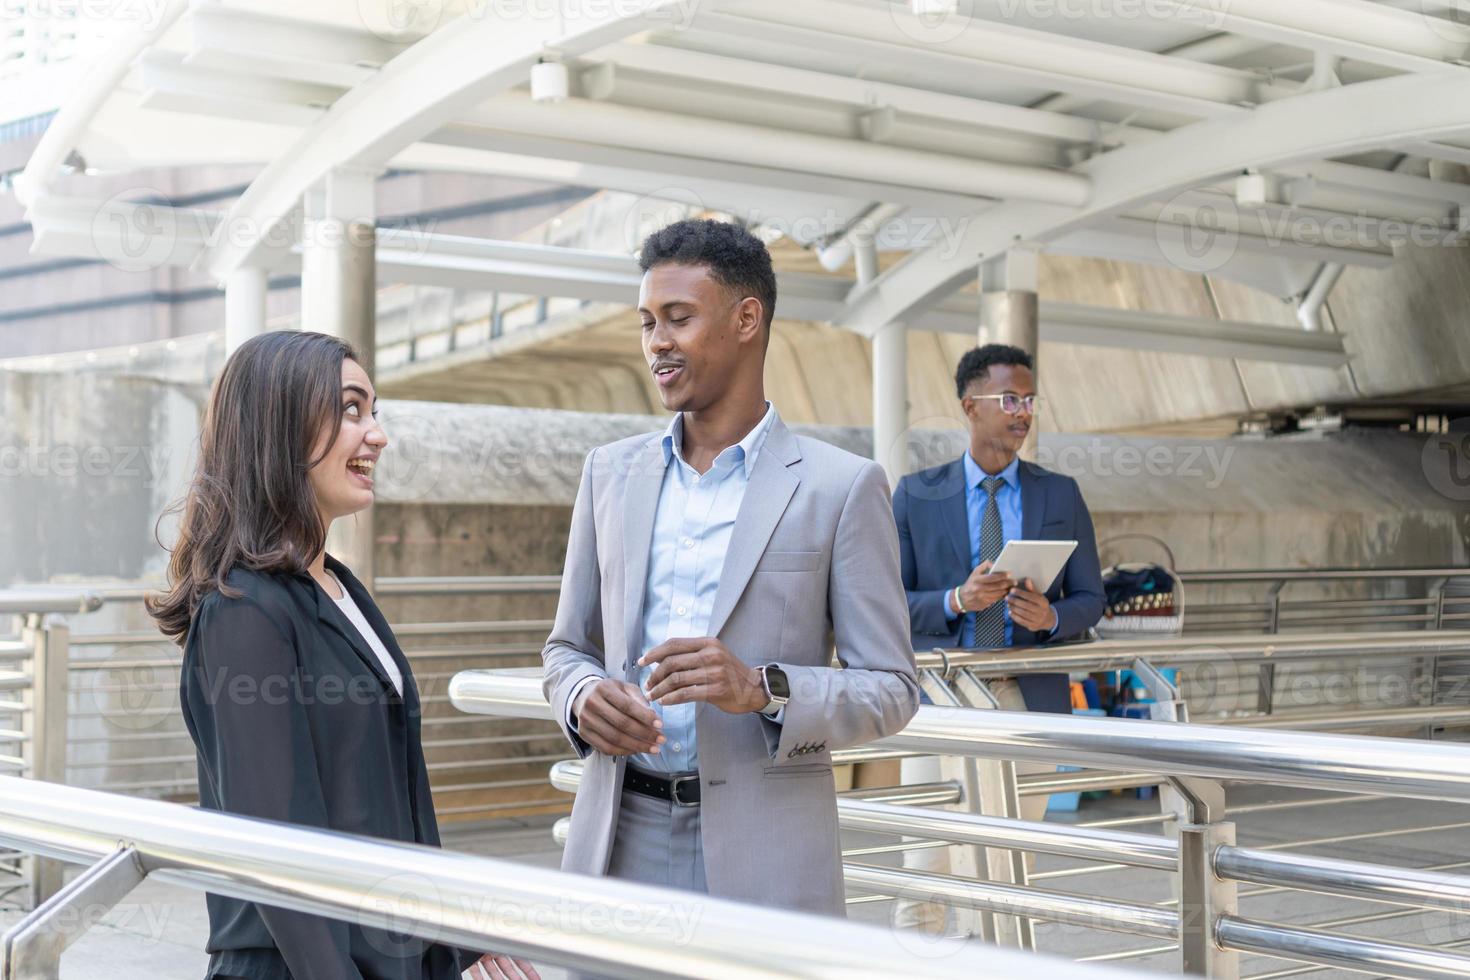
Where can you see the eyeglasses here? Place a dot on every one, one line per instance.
(1011, 403)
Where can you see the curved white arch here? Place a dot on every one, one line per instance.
(1331, 123)
(417, 92)
(72, 119)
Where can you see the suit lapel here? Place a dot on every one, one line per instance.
(1033, 502)
(771, 487)
(954, 507)
(333, 618)
(640, 506)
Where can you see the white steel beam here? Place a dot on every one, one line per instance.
(781, 81)
(645, 171)
(1068, 323)
(96, 87)
(1372, 32)
(1259, 270)
(894, 38)
(677, 136)
(171, 83)
(425, 87)
(258, 44)
(1355, 118)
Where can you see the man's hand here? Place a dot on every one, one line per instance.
(616, 719)
(984, 589)
(493, 966)
(1029, 608)
(703, 669)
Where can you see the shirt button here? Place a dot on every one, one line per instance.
(688, 542)
(681, 610)
(678, 747)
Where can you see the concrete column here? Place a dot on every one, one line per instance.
(890, 381)
(1010, 313)
(339, 297)
(245, 292)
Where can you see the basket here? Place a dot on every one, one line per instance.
(1125, 626)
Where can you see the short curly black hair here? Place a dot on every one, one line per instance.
(736, 259)
(977, 363)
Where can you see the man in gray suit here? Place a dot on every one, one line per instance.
(709, 570)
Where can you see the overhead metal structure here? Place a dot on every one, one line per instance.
(1096, 129)
(1256, 140)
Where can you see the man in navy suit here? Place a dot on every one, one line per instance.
(953, 520)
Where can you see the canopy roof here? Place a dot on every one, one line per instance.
(1109, 128)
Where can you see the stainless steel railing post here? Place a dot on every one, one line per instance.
(45, 726)
(1204, 897)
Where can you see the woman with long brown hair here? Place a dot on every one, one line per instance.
(301, 705)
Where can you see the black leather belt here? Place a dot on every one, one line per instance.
(678, 790)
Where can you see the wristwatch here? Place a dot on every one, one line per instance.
(778, 688)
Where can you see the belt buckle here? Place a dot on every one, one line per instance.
(674, 785)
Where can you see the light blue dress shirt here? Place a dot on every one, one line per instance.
(692, 529)
(1008, 499)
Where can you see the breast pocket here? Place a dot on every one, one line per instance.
(1056, 531)
(790, 561)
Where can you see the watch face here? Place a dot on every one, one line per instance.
(776, 681)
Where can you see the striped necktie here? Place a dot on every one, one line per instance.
(989, 630)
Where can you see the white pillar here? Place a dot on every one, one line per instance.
(890, 380)
(245, 292)
(339, 297)
(1010, 313)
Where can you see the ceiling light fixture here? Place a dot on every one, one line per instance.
(550, 81)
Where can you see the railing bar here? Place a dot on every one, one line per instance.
(1371, 835)
(500, 784)
(1135, 850)
(1337, 950)
(498, 763)
(1077, 872)
(1276, 889)
(917, 845)
(1013, 899)
(1127, 954)
(496, 807)
(1297, 971)
(1350, 879)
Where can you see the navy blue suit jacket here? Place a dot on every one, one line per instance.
(934, 545)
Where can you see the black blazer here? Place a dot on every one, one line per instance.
(295, 720)
(934, 548)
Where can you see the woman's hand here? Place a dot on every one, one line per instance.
(493, 966)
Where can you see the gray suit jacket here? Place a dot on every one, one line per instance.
(814, 557)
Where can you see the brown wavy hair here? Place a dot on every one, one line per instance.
(250, 504)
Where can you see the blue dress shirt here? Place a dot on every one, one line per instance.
(1008, 499)
(692, 529)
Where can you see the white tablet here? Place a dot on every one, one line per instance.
(1040, 561)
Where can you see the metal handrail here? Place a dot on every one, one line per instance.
(1397, 886)
(1374, 956)
(1198, 649)
(476, 902)
(1316, 574)
(1202, 756)
(25, 602)
(1336, 763)
(866, 810)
